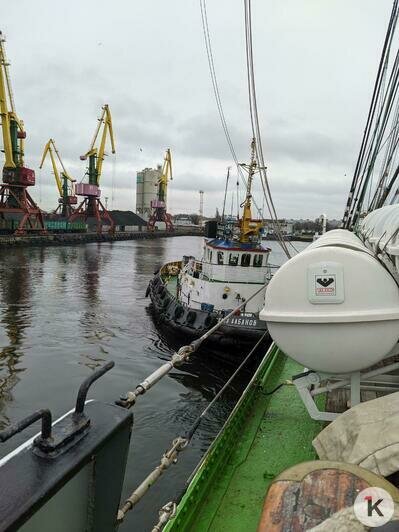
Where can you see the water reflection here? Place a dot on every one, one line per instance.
(15, 290)
(67, 310)
(93, 320)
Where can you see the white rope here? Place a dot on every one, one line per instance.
(177, 359)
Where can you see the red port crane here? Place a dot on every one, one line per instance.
(14, 197)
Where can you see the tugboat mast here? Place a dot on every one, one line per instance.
(249, 228)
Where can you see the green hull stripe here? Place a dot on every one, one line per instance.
(263, 436)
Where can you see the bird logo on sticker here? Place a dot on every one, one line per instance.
(325, 281)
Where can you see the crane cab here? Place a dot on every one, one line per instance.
(19, 176)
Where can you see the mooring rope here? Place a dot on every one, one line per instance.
(182, 355)
(171, 455)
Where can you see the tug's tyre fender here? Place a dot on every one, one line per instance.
(160, 288)
(178, 311)
(191, 317)
(209, 321)
(165, 302)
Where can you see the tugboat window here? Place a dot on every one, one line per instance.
(220, 257)
(245, 259)
(233, 259)
(258, 260)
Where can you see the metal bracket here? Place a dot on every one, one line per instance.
(308, 386)
(303, 383)
(57, 439)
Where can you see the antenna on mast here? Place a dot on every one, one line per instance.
(201, 209)
(225, 191)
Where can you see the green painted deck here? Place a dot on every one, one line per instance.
(263, 436)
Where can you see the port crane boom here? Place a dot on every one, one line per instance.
(96, 155)
(91, 206)
(158, 206)
(64, 182)
(14, 198)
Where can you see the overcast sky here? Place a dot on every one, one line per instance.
(315, 63)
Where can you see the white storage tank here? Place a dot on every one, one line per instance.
(147, 190)
(333, 307)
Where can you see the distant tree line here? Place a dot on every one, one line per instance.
(312, 226)
(194, 218)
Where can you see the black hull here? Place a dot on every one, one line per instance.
(185, 325)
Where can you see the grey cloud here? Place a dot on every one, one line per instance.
(151, 68)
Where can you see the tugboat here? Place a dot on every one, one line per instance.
(190, 296)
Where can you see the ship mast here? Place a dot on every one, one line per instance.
(249, 229)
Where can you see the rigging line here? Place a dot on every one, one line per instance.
(391, 153)
(385, 111)
(255, 125)
(211, 64)
(386, 152)
(377, 85)
(388, 162)
(256, 128)
(168, 510)
(179, 444)
(389, 97)
(374, 145)
(378, 134)
(189, 434)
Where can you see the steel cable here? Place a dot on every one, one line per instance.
(253, 108)
(215, 85)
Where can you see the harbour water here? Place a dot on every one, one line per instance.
(65, 311)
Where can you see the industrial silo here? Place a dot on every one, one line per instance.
(146, 190)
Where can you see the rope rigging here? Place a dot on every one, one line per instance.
(128, 400)
(215, 85)
(253, 107)
(383, 115)
(253, 114)
(179, 444)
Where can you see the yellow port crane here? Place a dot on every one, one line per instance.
(64, 182)
(14, 198)
(158, 206)
(91, 206)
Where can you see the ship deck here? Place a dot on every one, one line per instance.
(265, 434)
(171, 284)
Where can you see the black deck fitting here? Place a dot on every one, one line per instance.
(44, 415)
(84, 387)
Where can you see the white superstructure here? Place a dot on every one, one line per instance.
(228, 274)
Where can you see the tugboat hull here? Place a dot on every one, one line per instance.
(237, 336)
